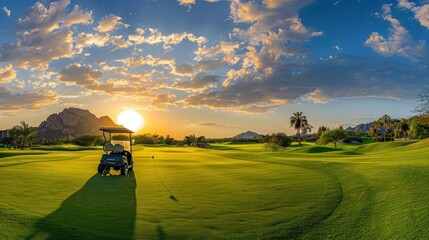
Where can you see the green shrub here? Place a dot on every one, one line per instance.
(86, 140)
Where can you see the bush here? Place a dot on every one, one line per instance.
(69, 139)
(144, 139)
(388, 139)
(169, 140)
(274, 142)
(86, 140)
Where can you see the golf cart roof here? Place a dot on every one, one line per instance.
(116, 130)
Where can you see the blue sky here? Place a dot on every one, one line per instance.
(214, 67)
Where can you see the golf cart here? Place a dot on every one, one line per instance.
(118, 154)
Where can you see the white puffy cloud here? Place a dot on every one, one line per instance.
(7, 11)
(224, 49)
(316, 96)
(421, 13)
(78, 16)
(399, 42)
(154, 36)
(119, 42)
(42, 36)
(7, 74)
(275, 32)
(148, 60)
(83, 40)
(109, 23)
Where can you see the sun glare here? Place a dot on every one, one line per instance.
(131, 120)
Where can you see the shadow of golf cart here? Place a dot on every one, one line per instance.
(118, 153)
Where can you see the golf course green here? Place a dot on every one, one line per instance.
(225, 191)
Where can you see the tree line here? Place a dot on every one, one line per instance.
(382, 130)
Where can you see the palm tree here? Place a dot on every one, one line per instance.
(190, 139)
(26, 133)
(299, 122)
(404, 127)
(12, 135)
(376, 127)
(386, 121)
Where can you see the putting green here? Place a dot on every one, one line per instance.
(229, 191)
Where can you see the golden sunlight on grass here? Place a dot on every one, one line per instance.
(131, 120)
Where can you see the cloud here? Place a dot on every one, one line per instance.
(210, 65)
(7, 11)
(199, 82)
(89, 39)
(148, 60)
(78, 16)
(338, 48)
(25, 100)
(133, 85)
(7, 74)
(186, 2)
(79, 75)
(275, 35)
(223, 49)
(154, 36)
(192, 2)
(399, 42)
(41, 36)
(109, 23)
(119, 42)
(257, 92)
(84, 40)
(184, 69)
(161, 101)
(208, 124)
(421, 13)
(316, 97)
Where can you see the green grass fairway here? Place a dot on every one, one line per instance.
(229, 191)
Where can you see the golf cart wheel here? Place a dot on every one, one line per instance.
(124, 170)
(101, 168)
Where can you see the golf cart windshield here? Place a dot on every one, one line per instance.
(116, 145)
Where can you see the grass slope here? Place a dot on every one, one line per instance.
(228, 191)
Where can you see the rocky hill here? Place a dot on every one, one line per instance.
(248, 135)
(73, 122)
(364, 127)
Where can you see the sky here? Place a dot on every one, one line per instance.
(214, 67)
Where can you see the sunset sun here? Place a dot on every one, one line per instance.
(131, 120)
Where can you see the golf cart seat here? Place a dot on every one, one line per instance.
(111, 148)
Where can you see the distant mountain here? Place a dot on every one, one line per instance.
(364, 127)
(248, 135)
(73, 122)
